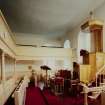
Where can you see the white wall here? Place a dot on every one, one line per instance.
(73, 37)
(39, 40)
(53, 57)
(43, 52)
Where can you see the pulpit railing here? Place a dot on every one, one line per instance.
(98, 88)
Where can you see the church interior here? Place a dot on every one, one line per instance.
(52, 52)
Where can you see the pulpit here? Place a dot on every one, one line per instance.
(95, 28)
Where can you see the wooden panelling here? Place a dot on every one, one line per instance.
(96, 31)
(85, 71)
(92, 62)
(100, 60)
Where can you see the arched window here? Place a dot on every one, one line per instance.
(67, 62)
(67, 44)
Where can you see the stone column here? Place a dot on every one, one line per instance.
(3, 66)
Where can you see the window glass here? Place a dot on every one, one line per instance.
(67, 44)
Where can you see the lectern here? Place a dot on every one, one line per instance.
(46, 68)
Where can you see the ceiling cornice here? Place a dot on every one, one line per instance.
(8, 28)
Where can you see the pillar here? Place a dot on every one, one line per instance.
(3, 66)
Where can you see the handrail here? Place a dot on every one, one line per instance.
(98, 89)
(100, 70)
(87, 89)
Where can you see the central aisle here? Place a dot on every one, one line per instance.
(34, 96)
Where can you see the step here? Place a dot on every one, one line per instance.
(94, 95)
(101, 84)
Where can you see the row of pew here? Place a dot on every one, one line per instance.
(20, 92)
(7, 89)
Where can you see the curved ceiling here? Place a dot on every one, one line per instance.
(50, 17)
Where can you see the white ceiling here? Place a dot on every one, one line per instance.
(46, 17)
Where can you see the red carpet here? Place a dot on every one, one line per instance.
(60, 100)
(34, 96)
